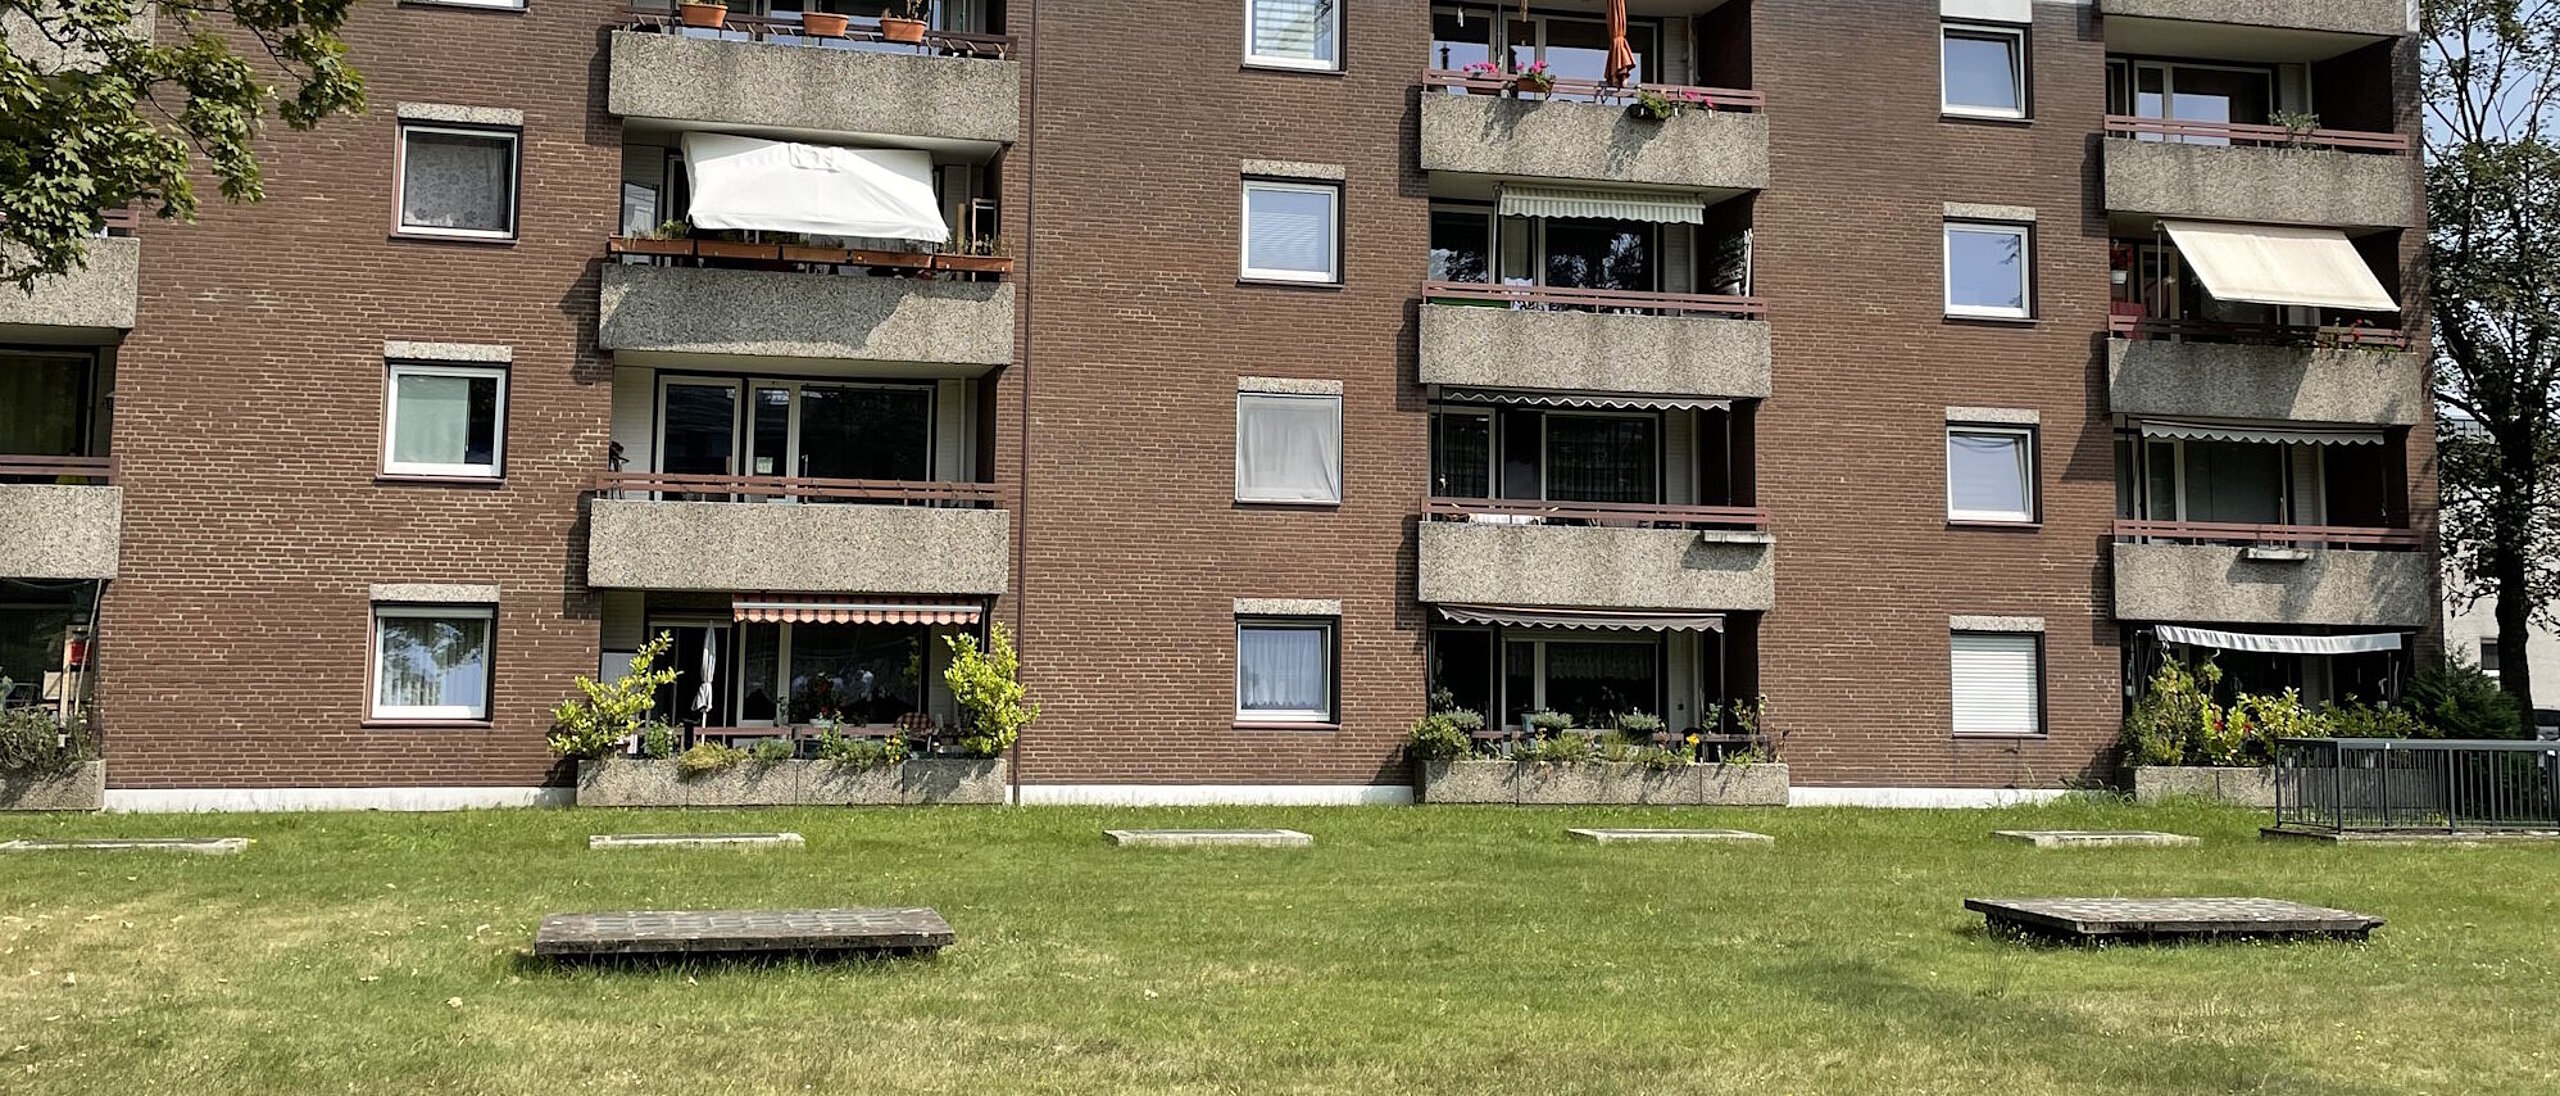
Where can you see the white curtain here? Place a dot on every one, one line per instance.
(457, 180)
(822, 190)
(433, 422)
(439, 663)
(1299, 29)
(1987, 473)
(1288, 448)
(1289, 230)
(1281, 670)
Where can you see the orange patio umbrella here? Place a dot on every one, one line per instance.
(1622, 59)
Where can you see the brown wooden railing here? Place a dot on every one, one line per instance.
(120, 222)
(2271, 536)
(2238, 133)
(1626, 514)
(2304, 335)
(1697, 97)
(98, 469)
(1599, 300)
(759, 28)
(805, 488)
(720, 252)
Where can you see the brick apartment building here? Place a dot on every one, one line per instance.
(1931, 373)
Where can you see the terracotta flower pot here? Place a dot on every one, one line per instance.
(894, 29)
(821, 24)
(703, 15)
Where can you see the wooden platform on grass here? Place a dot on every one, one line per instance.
(2096, 839)
(1614, 837)
(694, 840)
(202, 846)
(662, 933)
(2086, 919)
(1195, 838)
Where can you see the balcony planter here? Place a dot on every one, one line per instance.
(703, 15)
(644, 245)
(1603, 782)
(975, 264)
(2239, 786)
(821, 24)
(907, 31)
(82, 788)
(734, 249)
(641, 782)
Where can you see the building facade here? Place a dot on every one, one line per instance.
(1912, 377)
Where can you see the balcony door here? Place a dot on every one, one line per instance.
(2184, 92)
(847, 430)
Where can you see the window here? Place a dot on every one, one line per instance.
(1288, 448)
(445, 420)
(1292, 231)
(1594, 679)
(1998, 683)
(2489, 658)
(1293, 33)
(1284, 670)
(1984, 70)
(431, 661)
(458, 182)
(1991, 474)
(1987, 270)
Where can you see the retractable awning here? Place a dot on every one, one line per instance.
(1607, 205)
(2278, 644)
(2256, 433)
(1608, 401)
(815, 609)
(1612, 620)
(779, 186)
(2279, 264)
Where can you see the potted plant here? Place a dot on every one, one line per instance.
(1534, 78)
(1484, 71)
(983, 256)
(907, 28)
(708, 16)
(823, 24)
(668, 238)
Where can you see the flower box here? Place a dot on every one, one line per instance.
(83, 788)
(645, 245)
(643, 782)
(2240, 786)
(1529, 783)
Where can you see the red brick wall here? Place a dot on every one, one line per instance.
(234, 642)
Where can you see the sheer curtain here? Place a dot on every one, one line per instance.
(1289, 230)
(1281, 670)
(1288, 448)
(434, 665)
(458, 180)
(1600, 459)
(433, 422)
(1295, 29)
(1987, 473)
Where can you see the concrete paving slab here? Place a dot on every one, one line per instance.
(203, 846)
(694, 840)
(1618, 836)
(1192, 838)
(2097, 839)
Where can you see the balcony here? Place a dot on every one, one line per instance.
(59, 530)
(2261, 174)
(94, 304)
(2375, 18)
(805, 535)
(1597, 555)
(1583, 131)
(2197, 369)
(788, 301)
(761, 73)
(2206, 572)
(1511, 336)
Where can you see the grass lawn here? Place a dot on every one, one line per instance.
(1413, 949)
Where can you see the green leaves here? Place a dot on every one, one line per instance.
(987, 686)
(97, 113)
(592, 725)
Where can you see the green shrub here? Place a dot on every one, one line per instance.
(770, 750)
(2355, 719)
(1436, 737)
(2262, 721)
(2455, 699)
(657, 741)
(988, 686)
(706, 758)
(1547, 723)
(1561, 749)
(34, 743)
(594, 725)
(1639, 724)
(855, 752)
(2172, 718)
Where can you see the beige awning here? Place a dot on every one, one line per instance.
(1604, 620)
(2280, 264)
(1607, 205)
(821, 609)
(2259, 433)
(1605, 401)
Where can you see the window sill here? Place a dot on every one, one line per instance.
(468, 241)
(1288, 504)
(1994, 525)
(427, 725)
(1287, 69)
(465, 5)
(1963, 117)
(1997, 736)
(1287, 283)
(1994, 321)
(403, 479)
(1285, 725)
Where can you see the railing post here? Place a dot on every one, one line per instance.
(2385, 782)
(2338, 786)
(2450, 791)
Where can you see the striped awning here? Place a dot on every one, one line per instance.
(1611, 401)
(2259, 433)
(2280, 644)
(1606, 205)
(1609, 620)
(817, 609)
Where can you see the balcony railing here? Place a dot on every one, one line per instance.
(1623, 515)
(790, 32)
(98, 470)
(2177, 131)
(2340, 785)
(644, 486)
(1699, 98)
(2307, 336)
(775, 256)
(2266, 536)
(1561, 299)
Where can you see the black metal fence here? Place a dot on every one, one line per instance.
(2340, 784)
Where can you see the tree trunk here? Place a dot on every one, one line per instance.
(2510, 533)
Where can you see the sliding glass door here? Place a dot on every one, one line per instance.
(803, 429)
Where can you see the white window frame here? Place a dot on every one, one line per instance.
(2026, 270)
(2017, 37)
(2026, 437)
(515, 182)
(2035, 642)
(452, 712)
(2489, 648)
(1262, 60)
(1331, 275)
(497, 466)
(1329, 629)
(1333, 398)
(494, 5)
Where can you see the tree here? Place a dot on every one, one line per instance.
(2491, 75)
(97, 111)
